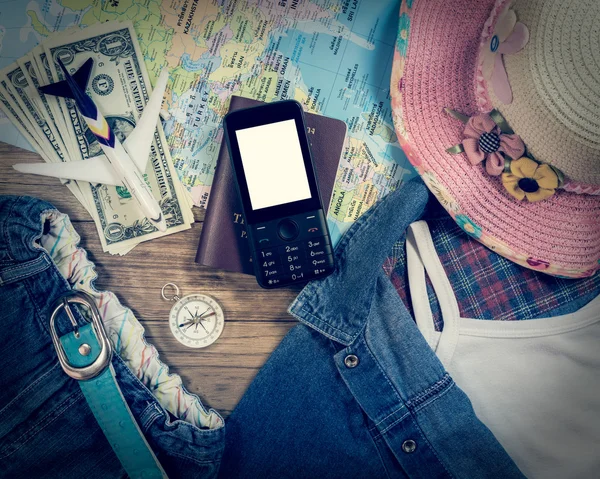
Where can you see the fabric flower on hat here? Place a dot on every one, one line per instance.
(483, 140)
(530, 179)
(509, 37)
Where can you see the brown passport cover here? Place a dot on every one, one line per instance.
(223, 242)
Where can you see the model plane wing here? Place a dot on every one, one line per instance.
(98, 169)
(94, 170)
(139, 141)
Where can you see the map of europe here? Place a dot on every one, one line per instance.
(333, 56)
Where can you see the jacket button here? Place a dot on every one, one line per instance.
(351, 361)
(409, 446)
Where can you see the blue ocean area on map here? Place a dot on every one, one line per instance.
(364, 16)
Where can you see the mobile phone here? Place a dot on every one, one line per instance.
(277, 185)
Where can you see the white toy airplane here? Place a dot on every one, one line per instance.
(122, 164)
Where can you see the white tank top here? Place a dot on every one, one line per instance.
(535, 384)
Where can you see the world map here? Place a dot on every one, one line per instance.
(333, 56)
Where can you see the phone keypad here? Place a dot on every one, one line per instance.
(296, 262)
(280, 261)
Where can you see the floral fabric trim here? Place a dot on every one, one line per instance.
(124, 330)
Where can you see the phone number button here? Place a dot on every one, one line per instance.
(291, 249)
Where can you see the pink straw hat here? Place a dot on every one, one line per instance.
(497, 106)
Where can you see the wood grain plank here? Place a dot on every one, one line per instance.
(221, 373)
(242, 345)
(256, 319)
(50, 189)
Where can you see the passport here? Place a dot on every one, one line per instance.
(223, 241)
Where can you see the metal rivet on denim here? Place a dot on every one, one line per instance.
(351, 361)
(409, 446)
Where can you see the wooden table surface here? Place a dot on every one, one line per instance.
(255, 319)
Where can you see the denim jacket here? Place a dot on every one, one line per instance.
(355, 391)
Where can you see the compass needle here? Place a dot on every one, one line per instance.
(203, 318)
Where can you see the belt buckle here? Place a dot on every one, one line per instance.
(105, 355)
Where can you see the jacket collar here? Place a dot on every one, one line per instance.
(338, 306)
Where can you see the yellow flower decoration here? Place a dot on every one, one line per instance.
(530, 179)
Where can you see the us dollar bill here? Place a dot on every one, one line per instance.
(25, 115)
(120, 87)
(48, 136)
(40, 60)
(47, 121)
(34, 79)
(12, 108)
(15, 115)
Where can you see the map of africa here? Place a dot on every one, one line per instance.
(334, 56)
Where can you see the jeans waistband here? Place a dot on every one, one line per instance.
(19, 271)
(21, 226)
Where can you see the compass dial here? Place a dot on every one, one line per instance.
(196, 320)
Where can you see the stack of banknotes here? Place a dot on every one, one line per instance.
(120, 87)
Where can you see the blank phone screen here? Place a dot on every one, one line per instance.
(273, 164)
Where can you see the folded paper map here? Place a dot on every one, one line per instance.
(333, 56)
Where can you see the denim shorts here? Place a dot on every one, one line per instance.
(46, 426)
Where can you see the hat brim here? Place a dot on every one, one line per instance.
(436, 70)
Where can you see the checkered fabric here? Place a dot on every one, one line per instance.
(488, 286)
(489, 142)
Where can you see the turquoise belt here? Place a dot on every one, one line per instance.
(85, 355)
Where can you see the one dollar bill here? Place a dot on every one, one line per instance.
(120, 87)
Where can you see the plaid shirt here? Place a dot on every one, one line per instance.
(487, 285)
